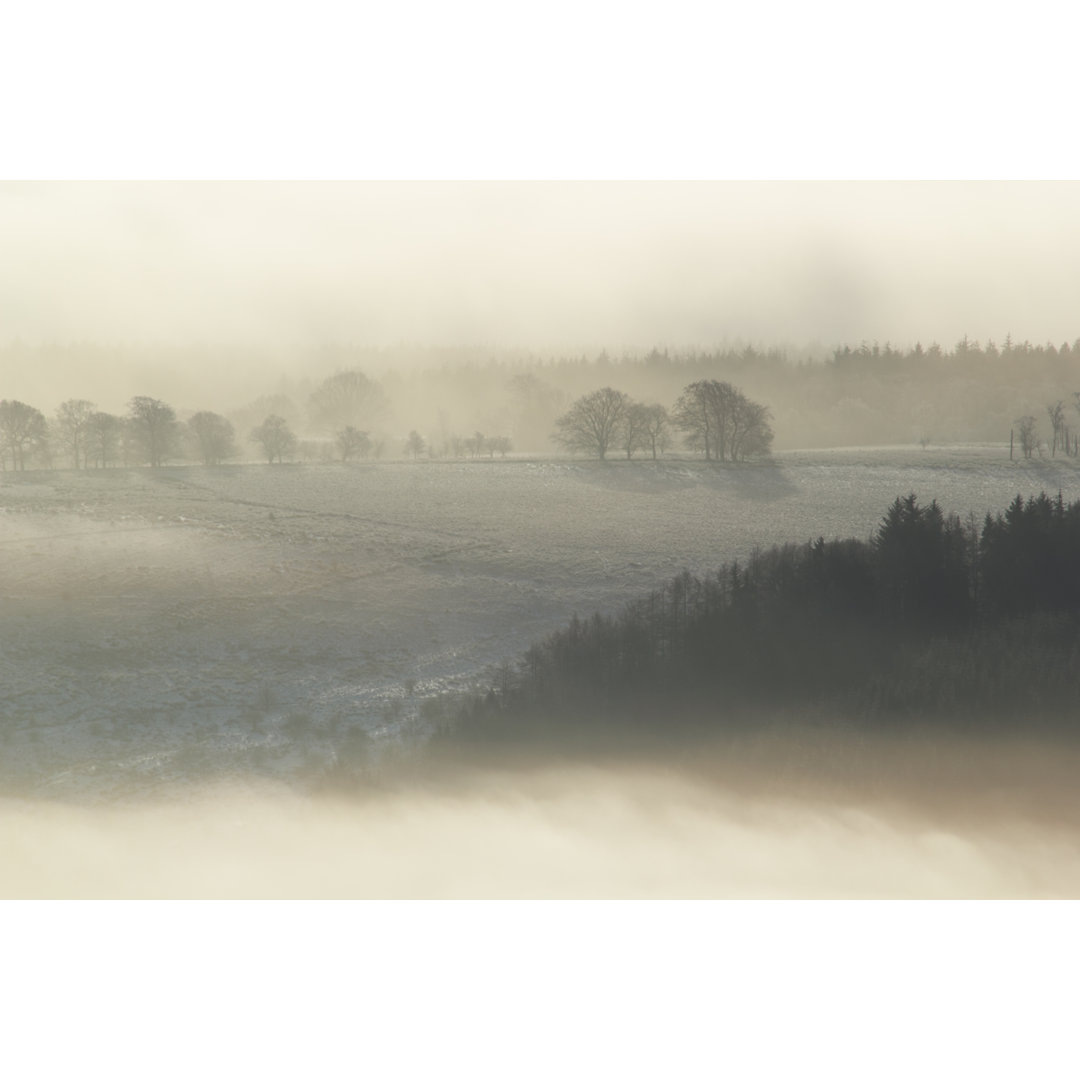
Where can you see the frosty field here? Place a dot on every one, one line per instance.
(188, 624)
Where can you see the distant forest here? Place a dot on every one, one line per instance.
(864, 394)
(934, 620)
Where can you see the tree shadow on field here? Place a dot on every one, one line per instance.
(638, 476)
(765, 481)
(1048, 473)
(761, 481)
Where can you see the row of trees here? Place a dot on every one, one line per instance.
(151, 434)
(858, 394)
(714, 417)
(606, 419)
(1026, 431)
(90, 438)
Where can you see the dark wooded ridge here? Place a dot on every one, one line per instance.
(932, 618)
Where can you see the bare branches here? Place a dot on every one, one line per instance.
(275, 438)
(721, 420)
(23, 432)
(592, 424)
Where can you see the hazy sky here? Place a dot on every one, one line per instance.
(542, 265)
(835, 91)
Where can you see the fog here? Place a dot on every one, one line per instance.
(182, 653)
(778, 815)
(545, 266)
(189, 652)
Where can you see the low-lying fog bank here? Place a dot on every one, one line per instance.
(772, 817)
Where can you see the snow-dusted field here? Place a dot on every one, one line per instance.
(190, 624)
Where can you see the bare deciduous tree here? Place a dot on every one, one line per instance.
(592, 424)
(657, 428)
(500, 444)
(275, 438)
(719, 419)
(23, 431)
(633, 429)
(1029, 439)
(749, 434)
(348, 398)
(103, 436)
(1056, 413)
(215, 436)
(72, 419)
(414, 444)
(701, 412)
(351, 442)
(153, 429)
(474, 445)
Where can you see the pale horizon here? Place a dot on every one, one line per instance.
(557, 267)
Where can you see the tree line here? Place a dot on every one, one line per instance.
(865, 394)
(933, 618)
(858, 393)
(714, 416)
(150, 432)
(1026, 437)
(89, 438)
